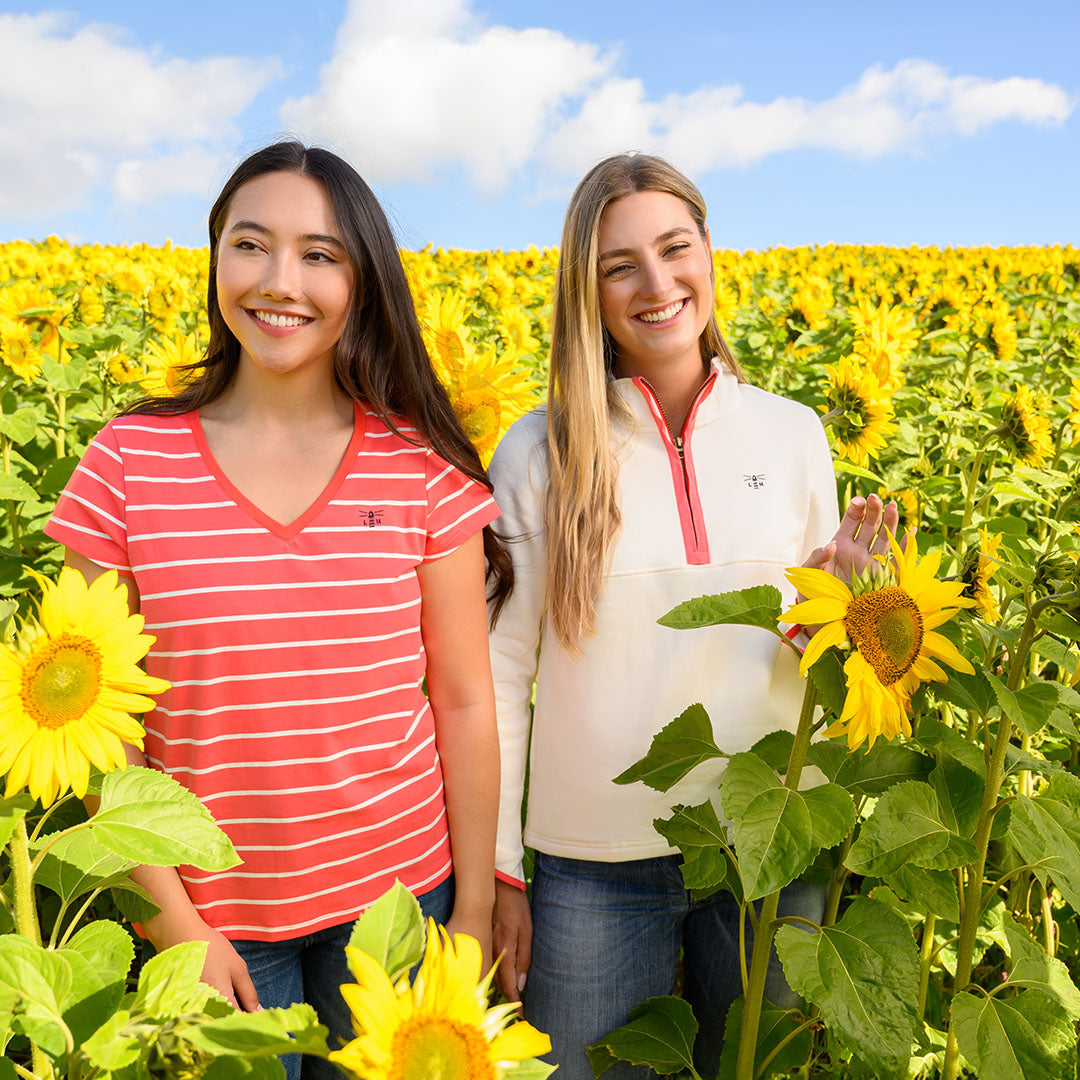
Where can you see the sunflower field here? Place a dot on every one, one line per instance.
(944, 690)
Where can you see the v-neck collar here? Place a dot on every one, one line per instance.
(285, 532)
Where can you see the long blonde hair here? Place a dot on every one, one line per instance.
(582, 514)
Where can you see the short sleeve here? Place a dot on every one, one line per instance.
(457, 507)
(91, 513)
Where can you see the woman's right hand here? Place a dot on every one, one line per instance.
(224, 968)
(511, 935)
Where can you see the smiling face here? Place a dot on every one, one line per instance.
(655, 281)
(284, 280)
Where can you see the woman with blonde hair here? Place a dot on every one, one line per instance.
(656, 474)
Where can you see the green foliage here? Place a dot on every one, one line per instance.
(1028, 1036)
(778, 832)
(391, 931)
(1046, 832)
(758, 605)
(677, 748)
(660, 1034)
(863, 974)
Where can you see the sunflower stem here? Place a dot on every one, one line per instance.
(22, 883)
(767, 923)
(969, 922)
(926, 960)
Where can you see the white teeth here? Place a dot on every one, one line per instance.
(272, 319)
(663, 316)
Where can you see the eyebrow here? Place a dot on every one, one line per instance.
(313, 238)
(678, 230)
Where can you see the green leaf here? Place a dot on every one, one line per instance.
(236, 1068)
(697, 833)
(959, 793)
(150, 818)
(77, 863)
(971, 692)
(1046, 832)
(759, 605)
(56, 476)
(1060, 623)
(109, 1048)
(907, 827)
(169, 983)
(1036, 705)
(11, 810)
(775, 749)
(1033, 968)
(392, 931)
(11, 487)
(863, 974)
(100, 956)
(267, 1032)
(20, 426)
(938, 737)
(931, 890)
(33, 984)
(869, 772)
(843, 466)
(828, 676)
(677, 748)
(660, 1035)
(779, 831)
(529, 1069)
(1028, 1036)
(775, 1024)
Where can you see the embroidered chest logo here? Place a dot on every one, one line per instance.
(371, 518)
(754, 481)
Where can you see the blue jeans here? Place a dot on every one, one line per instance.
(606, 936)
(312, 969)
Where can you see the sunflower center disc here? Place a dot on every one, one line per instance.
(886, 627)
(61, 681)
(440, 1049)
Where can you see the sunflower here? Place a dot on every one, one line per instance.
(17, 349)
(69, 685)
(1025, 432)
(887, 619)
(979, 567)
(858, 411)
(1074, 406)
(169, 365)
(440, 1027)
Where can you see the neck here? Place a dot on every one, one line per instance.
(675, 387)
(302, 399)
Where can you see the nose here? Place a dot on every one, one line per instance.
(656, 279)
(281, 279)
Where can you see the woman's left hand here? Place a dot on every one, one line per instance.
(863, 533)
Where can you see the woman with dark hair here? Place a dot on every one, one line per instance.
(656, 474)
(304, 528)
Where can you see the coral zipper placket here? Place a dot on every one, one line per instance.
(683, 475)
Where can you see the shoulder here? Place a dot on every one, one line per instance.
(523, 449)
(792, 419)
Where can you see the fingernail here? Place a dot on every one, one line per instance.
(858, 501)
(521, 981)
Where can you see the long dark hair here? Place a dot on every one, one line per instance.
(380, 357)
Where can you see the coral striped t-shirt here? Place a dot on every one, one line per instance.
(297, 711)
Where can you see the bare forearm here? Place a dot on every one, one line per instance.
(469, 752)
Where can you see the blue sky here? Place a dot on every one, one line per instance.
(922, 123)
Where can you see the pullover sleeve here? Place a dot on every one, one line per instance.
(823, 516)
(519, 473)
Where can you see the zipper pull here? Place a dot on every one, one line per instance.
(679, 446)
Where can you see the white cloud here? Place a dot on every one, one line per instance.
(884, 112)
(424, 86)
(74, 102)
(194, 171)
